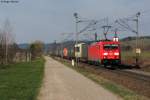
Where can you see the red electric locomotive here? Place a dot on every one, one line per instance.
(105, 52)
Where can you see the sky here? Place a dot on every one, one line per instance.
(46, 20)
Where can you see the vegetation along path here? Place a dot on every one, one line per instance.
(21, 81)
(63, 83)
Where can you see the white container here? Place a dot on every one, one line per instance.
(81, 50)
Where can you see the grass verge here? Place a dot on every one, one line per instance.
(21, 81)
(123, 92)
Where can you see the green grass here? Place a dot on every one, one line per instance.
(21, 81)
(123, 92)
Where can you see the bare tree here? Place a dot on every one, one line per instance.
(7, 43)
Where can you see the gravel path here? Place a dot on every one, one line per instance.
(63, 83)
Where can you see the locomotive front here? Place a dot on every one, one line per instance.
(110, 52)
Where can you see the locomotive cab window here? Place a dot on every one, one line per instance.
(77, 49)
(111, 46)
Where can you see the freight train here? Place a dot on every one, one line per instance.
(105, 52)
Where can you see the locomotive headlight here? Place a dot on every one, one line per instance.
(105, 53)
(116, 53)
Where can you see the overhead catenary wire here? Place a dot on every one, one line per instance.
(123, 24)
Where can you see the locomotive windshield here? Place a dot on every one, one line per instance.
(77, 49)
(111, 46)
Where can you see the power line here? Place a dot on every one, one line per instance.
(145, 11)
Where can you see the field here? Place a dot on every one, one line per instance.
(128, 57)
(128, 46)
(21, 81)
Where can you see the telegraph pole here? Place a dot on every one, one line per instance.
(61, 46)
(136, 31)
(138, 51)
(76, 18)
(95, 37)
(106, 29)
(116, 33)
(6, 49)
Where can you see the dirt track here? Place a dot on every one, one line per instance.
(63, 83)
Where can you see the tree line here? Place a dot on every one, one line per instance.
(9, 49)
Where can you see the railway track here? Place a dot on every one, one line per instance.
(137, 82)
(140, 83)
(138, 76)
(123, 72)
(142, 77)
